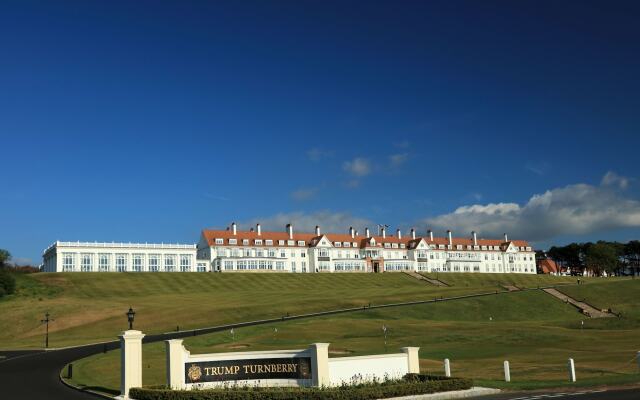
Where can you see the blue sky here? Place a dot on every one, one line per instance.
(148, 121)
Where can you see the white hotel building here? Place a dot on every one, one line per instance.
(120, 257)
(231, 250)
(256, 251)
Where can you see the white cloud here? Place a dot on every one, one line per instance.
(539, 168)
(329, 221)
(398, 159)
(570, 210)
(613, 179)
(303, 194)
(317, 154)
(357, 167)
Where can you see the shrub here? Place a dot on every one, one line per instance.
(417, 384)
(7, 283)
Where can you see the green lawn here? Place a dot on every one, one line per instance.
(90, 307)
(533, 330)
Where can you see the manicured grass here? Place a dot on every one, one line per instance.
(533, 330)
(499, 280)
(90, 307)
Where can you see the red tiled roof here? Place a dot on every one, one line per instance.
(308, 238)
(548, 266)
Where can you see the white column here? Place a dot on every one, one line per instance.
(507, 372)
(572, 370)
(447, 368)
(130, 361)
(175, 363)
(320, 364)
(412, 359)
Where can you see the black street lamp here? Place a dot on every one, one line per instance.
(46, 321)
(130, 315)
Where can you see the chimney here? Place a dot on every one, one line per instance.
(475, 238)
(413, 234)
(233, 228)
(399, 234)
(352, 232)
(357, 234)
(384, 233)
(450, 239)
(506, 239)
(366, 232)
(317, 230)
(430, 232)
(290, 231)
(258, 229)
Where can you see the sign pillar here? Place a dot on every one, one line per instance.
(447, 368)
(320, 364)
(412, 358)
(175, 363)
(572, 370)
(130, 361)
(507, 372)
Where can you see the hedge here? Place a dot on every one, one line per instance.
(411, 385)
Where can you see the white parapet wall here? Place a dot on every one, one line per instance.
(379, 367)
(308, 367)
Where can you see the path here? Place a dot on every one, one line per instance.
(432, 281)
(585, 308)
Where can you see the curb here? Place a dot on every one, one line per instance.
(78, 388)
(454, 394)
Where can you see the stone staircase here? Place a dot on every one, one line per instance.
(432, 281)
(585, 308)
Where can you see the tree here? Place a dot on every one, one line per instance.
(632, 255)
(7, 283)
(5, 256)
(601, 257)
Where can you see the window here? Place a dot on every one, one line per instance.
(222, 252)
(136, 262)
(228, 265)
(202, 267)
(272, 253)
(103, 262)
(259, 253)
(293, 266)
(300, 242)
(242, 264)
(279, 265)
(291, 242)
(219, 241)
(323, 253)
(245, 242)
(169, 262)
(86, 262)
(303, 254)
(281, 242)
(185, 262)
(258, 242)
(68, 261)
(154, 262)
(233, 241)
(121, 262)
(269, 242)
(347, 244)
(337, 244)
(283, 253)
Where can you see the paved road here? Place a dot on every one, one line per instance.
(35, 375)
(586, 394)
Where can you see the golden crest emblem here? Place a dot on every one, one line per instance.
(194, 373)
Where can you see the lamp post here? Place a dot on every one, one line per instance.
(46, 321)
(130, 315)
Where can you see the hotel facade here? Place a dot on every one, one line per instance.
(231, 250)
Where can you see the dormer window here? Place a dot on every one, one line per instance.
(387, 245)
(281, 242)
(291, 242)
(269, 242)
(346, 244)
(300, 242)
(258, 242)
(394, 245)
(245, 242)
(219, 241)
(233, 241)
(337, 244)
(402, 246)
